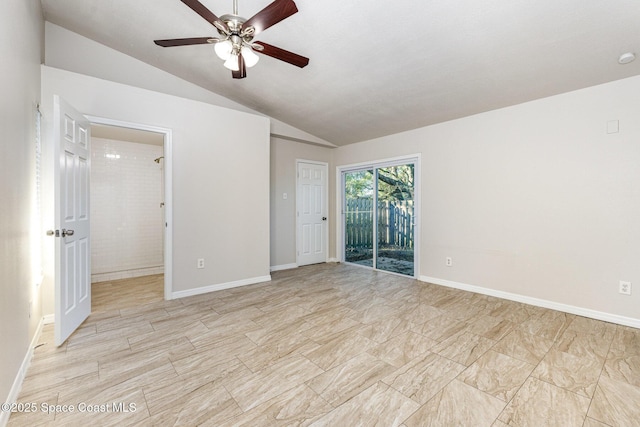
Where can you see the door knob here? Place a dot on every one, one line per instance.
(53, 233)
(66, 233)
(324, 218)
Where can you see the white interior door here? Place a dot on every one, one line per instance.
(311, 200)
(73, 252)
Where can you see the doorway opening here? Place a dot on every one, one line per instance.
(130, 203)
(379, 215)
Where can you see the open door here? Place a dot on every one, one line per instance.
(72, 249)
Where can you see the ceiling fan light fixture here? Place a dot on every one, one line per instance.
(250, 58)
(223, 49)
(232, 63)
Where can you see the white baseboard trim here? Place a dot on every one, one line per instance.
(333, 260)
(586, 312)
(283, 267)
(22, 372)
(127, 274)
(220, 286)
(49, 319)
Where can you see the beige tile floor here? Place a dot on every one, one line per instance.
(332, 345)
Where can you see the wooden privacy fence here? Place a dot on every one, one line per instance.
(395, 221)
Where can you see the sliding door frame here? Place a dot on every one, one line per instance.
(340, 200)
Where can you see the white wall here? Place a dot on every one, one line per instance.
(534, 200)
(127, 220)
(220, 175)
(284, 154)
(21, 30)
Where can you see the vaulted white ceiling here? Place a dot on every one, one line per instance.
(381, 67)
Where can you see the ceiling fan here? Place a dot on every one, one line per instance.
(235, 45)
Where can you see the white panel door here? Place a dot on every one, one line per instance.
(312, 210)
(73, 252)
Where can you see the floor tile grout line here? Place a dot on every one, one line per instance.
(595, 390)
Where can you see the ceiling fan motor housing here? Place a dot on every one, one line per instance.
(235, 24)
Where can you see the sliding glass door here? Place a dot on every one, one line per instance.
(395, 251)
(379, 217)
(358, 217)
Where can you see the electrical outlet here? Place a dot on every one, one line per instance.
(449, 261)
(200, 262)
(625, 288)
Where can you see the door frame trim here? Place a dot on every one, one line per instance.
(326, 198)
(168, 190)
(390, 161)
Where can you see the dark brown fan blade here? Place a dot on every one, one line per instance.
(283, 55)
(242, 73)
(201, 10)
(182, 42)
(271, 15)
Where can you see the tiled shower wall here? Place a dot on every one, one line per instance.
(126, 214)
